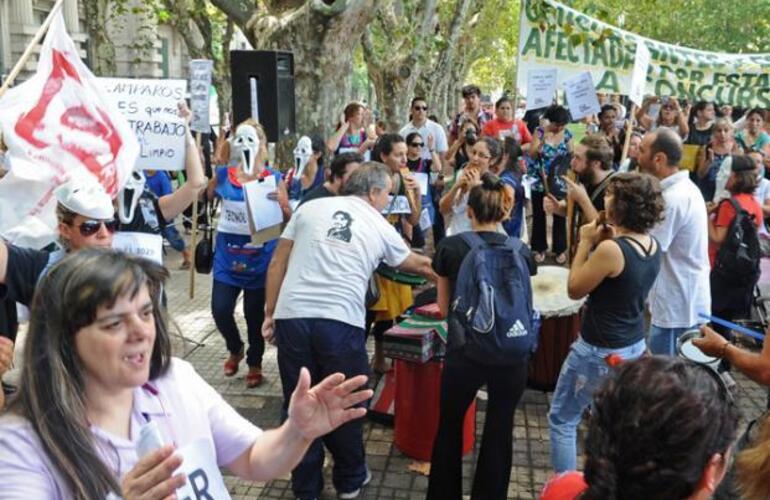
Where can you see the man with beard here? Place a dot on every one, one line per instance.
(592, 162)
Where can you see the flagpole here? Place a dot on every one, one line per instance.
(522, 9)
(31, 47)
(194, 237)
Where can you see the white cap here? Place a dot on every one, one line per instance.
(85, 196)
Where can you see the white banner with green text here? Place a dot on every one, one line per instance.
(556, 36)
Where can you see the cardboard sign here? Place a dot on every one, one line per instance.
(400, 206)
(639, 75)
(149, 246)
(581, 96)
(422, 179)
(263, 212)
(199, 465)
(200, 85)
(541, 87)
(150, 106)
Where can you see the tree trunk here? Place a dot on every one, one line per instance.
(322, 35)
(438, 84)
(100, 47)
(395, 68)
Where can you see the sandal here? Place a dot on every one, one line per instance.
(539, 257)
(254, 377)
(231, 364)
(561, 259)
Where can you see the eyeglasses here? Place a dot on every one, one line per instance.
(421, 108)
(416, 144)
(91, 227)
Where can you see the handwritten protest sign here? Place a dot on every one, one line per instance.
(150, 106)
(639, 75)
(581, 96)
(200, 85)
(541, 87)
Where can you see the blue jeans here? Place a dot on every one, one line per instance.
(324, 347)
(663, 340)
(581, 374)
(173, 237)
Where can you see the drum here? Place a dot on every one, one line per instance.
(688, 350)
(560, 325)
(417, 408)
(401, 277)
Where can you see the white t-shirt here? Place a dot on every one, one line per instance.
(338, 243)
(762, 194)
(682, 289)
(459, 222)
(429, 128)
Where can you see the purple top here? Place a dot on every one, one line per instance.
(185, 407)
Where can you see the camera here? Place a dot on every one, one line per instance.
(470, 136)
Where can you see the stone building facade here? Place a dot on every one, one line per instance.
(165, 55)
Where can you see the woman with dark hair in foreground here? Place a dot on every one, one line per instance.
(660, 428)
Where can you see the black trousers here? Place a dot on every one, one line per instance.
(539, 243)
(460, 381)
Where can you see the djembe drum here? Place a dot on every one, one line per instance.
(560, 326)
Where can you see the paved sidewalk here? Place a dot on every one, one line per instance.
(391, 474)
(391, 477)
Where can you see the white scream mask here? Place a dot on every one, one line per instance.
(302, 154)
(244, 146)
(129, 196)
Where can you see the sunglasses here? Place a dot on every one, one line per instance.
(421, 108)
(416, 144)
(91, 227)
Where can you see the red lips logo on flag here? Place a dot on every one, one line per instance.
(86, 134)
(58, 124)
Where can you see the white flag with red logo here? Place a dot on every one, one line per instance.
(56, 125)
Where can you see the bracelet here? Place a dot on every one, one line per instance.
(724, 349)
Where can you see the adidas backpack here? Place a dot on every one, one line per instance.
(493, 302)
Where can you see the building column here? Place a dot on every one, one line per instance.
(20, 13)
(71, 17)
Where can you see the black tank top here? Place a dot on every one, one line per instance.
(613, 316)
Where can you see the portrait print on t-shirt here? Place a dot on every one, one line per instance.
(340, 229)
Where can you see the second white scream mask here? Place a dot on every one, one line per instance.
(244, 147)
(302, 154)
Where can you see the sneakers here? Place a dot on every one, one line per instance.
(355, 493)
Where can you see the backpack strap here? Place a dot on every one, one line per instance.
(599, 190)
(472, 239)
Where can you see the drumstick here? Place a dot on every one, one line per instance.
(729, 324)
(571, 234)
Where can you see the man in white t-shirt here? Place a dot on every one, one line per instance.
(432, 133)
(682, 290)
(314, 307)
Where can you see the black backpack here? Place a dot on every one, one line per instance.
(737, 261)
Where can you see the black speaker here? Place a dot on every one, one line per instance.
(269, 76)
